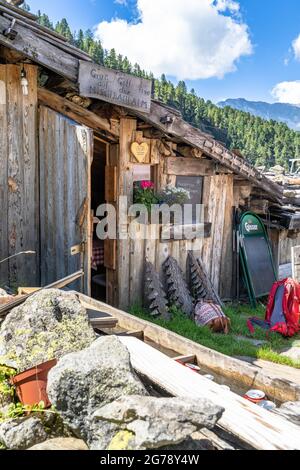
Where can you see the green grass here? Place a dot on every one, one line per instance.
(228, 344)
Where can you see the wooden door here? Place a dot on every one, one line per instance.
(66, 151)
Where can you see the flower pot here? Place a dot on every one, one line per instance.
(31, 385)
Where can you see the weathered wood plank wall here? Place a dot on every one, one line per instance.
(285, 247)
(19, 228)
(66, 150)
(215, 251)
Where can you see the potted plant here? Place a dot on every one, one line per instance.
(143, 193)
(31, 385)
(172, 195)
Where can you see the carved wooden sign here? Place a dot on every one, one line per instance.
(114, 87)
(140, 151)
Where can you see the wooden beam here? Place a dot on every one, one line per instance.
(190, 232)
(55, 285)
(193, 136)
(104, 322)
(186, 359)
(189, 166)
(49, 36)
(250, 423)
(13, 9)
(75, 112)
(32, 46)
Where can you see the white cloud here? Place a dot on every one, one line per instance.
(230, 5)
(187, 39)
(121, 2)
(296, 47)
(287, 92)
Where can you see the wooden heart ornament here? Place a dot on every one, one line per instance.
(140, 151)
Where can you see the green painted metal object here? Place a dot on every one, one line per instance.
(256, 257)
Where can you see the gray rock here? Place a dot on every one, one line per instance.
(85, 381)
(290, 410)
(69, 443)
(137, 423)
(48, 325)
(19, 434)
(293, 352)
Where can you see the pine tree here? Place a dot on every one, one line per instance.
(63, 28)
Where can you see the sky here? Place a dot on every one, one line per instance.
(221, 48)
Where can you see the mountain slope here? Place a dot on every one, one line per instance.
(282, 112)
(262, 142)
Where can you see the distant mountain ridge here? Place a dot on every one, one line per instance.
(282, 112)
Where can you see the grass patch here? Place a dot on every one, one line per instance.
(228, 344)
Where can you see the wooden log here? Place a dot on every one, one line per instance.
(75, 112)
(250, 423)
(259, 206)
(27, 290)
(11, 7)
(32, 46)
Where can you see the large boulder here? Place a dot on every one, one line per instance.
(293, 352)
(138, 423)
(50, 324)
(27, 431)
(291, 411)
(19, 434)
(85, 381)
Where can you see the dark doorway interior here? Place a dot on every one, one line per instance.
(97, 198)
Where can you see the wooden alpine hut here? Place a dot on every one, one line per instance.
(67, 129)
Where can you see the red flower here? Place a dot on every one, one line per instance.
(147, 185)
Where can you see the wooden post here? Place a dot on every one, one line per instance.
(127, 127)
(274, 237)
(296, 262)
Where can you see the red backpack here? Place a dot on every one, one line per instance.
(283, 309)
(290, 307)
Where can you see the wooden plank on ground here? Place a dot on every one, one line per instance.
(244, 374)
(250, 423)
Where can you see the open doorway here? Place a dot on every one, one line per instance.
(98, 274)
